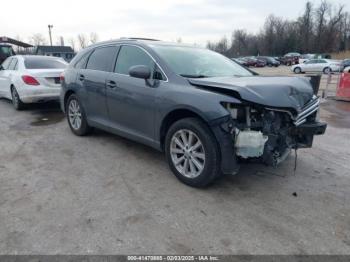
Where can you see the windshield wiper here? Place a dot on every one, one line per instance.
(193, 76)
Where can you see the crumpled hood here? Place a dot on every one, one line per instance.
(276, 92)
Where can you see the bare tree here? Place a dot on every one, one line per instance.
(320, 29)
(38, 39)
(71, 41)
(305, 23)
(83, 41)
(93, 38)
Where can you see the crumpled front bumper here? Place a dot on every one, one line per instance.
(304, 133)
(315, 128)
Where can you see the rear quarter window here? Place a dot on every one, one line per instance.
(102, 59)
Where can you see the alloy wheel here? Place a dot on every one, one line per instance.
(187, 153)
(74, 114)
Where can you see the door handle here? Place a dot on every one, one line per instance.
(111, 84)
(81, 77)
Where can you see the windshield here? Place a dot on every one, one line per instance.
(44, 63)
(7, 50)
(197, 62)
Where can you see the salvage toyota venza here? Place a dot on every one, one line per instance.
(206, 112)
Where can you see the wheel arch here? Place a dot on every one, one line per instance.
(65, 99)
(174, 116)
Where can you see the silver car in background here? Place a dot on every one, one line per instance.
(325, 66)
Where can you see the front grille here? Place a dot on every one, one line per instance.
(307, 111)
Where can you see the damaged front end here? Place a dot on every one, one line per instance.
(269, 134)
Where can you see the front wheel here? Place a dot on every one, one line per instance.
(16, 100)
(297, 70)
(76, 116)
(192, 152)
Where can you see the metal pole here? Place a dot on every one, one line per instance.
(50, 27)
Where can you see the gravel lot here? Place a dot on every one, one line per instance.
(102, 194)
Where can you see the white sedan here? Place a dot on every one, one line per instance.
(347, 69)
(325, 66)
(31, 79)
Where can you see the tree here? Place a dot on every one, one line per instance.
(37, 39)
(71, 41)
(320, 29)
(82, 40)
(93, 38)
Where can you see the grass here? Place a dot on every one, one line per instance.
(341, 55)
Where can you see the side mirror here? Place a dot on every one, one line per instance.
(140, 71)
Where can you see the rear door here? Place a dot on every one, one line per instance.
(322, 64)
(93, 79)
(131, 101)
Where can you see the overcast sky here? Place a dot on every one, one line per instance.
(195, 21)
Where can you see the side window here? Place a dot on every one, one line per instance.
(6, 63)
(131, 56)
(102, 58)
(81, 64)
(13, 64)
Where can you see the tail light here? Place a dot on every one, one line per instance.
(62, 77)
(29, 80)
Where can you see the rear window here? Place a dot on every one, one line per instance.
(44, 63)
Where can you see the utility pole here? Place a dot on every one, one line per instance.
(50, 27)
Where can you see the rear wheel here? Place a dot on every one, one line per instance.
(327, 70)
(16, 100)
(76, 117)
(192, 152)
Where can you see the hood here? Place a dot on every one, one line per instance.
(275, 92)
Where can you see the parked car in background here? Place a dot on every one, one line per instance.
(5, 52)
(241, 61)
(206, 112)
(270, 61)
(31, 79)
(306, 57)
(254, 62)
(346, 69)
(345, 63)
(317, 65)
(290, 59)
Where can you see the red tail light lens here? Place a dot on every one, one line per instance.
(62, 77)
(29, 80)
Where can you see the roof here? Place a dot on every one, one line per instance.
(146, 41)
(54, 49)
(5, 39)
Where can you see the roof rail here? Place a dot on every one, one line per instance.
(139, 38)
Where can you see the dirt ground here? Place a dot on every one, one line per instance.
(102, 194)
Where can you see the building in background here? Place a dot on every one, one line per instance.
(65, 52)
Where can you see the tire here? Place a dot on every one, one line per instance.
(297, 70)
(206, 155)
(327, 70)
(76, 116)
(16, 100)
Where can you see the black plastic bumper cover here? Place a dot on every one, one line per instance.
(315, 128)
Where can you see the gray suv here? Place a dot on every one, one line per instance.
(205, 111)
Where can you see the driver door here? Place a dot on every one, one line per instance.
(131, 101)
